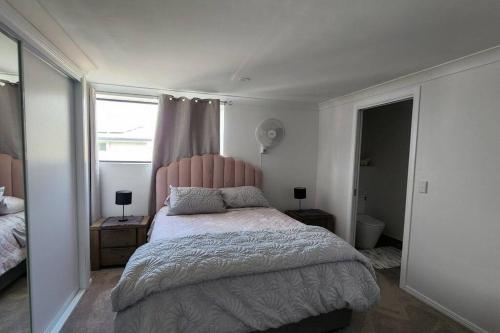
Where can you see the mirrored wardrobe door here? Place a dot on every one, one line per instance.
(14, 291)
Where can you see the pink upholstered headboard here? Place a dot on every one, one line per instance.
(11, 176)
(205, 171)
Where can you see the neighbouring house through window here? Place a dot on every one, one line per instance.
(125, 127)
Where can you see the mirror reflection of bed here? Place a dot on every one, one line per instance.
(14, 300)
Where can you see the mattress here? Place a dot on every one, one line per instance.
(241, 302)
(12, 241)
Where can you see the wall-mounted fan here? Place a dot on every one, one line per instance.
(269, 133)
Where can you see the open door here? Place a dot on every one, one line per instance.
(380, 187)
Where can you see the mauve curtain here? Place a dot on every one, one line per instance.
(184, 128)
(95, 184)
(11, 135)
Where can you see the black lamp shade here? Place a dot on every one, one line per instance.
(299, 192)
(123, 197)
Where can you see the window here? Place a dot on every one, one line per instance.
(125, 128)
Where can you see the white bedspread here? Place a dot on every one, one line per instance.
(11, 251)
(239, 219)
(195, 290)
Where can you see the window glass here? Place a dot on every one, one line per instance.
(125, 128)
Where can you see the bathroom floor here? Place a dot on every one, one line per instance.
(383, 257)
(386, 253)
(385, 240)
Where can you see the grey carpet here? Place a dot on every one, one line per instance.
(14, 307)
(93, 313)
(396, 312)
(383, 257)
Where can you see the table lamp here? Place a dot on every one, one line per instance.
(299, 193)
(123, 198)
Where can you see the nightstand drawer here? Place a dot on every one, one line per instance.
(118, 238)
(321, 222)
(113, 242)
(313, 217)
(117, 256)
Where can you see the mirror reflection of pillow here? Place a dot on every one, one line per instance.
(19, 233)
(11, 205)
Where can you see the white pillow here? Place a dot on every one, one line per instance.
(244, 196)
(11, 205)
(195, 200)
(2, 191)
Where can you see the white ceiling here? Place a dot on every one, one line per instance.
(309, 50)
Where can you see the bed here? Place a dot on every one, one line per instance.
(244, 270)
(12, 226)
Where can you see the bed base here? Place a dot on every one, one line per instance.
(327, 322)
(9, 277)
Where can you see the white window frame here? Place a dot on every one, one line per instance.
(104, 96)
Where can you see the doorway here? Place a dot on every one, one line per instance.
(381, 182)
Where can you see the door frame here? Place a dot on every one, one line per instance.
(384, 99)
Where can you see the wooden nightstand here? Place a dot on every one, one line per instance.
(112, 242)
(313, 217)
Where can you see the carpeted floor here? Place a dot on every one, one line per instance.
(93, 313)
(396, 312)
(14, 307)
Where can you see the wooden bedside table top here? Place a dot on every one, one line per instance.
(313, 217)
(98, 225)
(308, 213)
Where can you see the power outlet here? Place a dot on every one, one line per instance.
(423, 186)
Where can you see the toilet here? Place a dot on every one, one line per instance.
(368, 231)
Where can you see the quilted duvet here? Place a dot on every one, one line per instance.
(240, 281)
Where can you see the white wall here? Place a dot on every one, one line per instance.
(335, 165)
(51, 192)
(386, 141)
(125, 176)
(292, 162)
(453, 256)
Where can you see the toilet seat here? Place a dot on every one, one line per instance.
(368, 231)
(369, 221)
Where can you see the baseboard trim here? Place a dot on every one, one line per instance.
(447, 312)
(59, 322)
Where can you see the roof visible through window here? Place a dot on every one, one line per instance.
(125, 127)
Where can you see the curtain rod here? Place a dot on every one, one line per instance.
(222, 102)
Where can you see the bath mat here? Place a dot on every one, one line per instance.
(383, 257)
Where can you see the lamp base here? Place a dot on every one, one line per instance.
(123, 219)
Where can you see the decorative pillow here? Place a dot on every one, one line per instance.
(195, 200)
(11, 205)
(2, 191)
(167, 200)
(244, 196)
